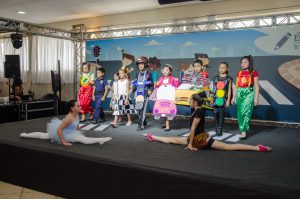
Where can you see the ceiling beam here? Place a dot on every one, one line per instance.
(11, 25)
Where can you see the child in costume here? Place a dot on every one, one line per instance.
(199, 78)
(123, 104)
(143, 87)
(221, 92)
(246, 94)
(114, 90)
(66, 131)
(167, 79)
(86, 91)
(199, 138)
(100, 92)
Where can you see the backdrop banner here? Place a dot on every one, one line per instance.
(276, 53)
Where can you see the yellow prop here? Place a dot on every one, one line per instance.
(220, 93)
(182, 97)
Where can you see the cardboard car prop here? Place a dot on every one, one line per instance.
(185, 91)
(164, 105)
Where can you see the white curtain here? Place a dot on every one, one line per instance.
(45, 53)
(6, 48)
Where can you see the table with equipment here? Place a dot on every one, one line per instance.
(38, 109)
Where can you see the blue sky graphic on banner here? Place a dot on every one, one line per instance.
(215, 44)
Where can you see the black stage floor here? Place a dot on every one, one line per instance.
(131, 167)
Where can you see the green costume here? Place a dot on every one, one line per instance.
(245, 98)
(245, 103)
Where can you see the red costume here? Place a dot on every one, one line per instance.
(85, 92)
(245, 79)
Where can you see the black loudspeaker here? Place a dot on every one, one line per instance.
(55, 80)
(17, 40)
(12, 66)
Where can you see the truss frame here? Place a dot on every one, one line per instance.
(186, 26)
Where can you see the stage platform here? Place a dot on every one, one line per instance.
(131, 167)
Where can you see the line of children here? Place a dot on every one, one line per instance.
(221, 90)
(245, 96)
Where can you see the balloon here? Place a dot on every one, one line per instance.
(219, 101)
(220, 93)
(220, 85)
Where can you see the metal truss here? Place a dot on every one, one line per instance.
(10, 25)
(79, 55)
(76, 36)
(186, 26)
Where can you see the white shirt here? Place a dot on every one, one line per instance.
(165, 81)
(122, 87)
(115, 88)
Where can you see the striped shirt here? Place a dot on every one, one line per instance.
(199, 79)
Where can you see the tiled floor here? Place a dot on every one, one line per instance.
(9, 191)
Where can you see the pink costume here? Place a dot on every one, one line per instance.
(170, 81)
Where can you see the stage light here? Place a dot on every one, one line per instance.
(21, 12)
(17, 40)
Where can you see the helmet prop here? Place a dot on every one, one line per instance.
(143, 60)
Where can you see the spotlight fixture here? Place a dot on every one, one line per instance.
(17, 40)
(21, 12)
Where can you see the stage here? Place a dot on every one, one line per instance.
(129, 166)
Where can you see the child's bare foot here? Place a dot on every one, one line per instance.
(119, 119)
(23, 134)
(128, 123)
(103, 140)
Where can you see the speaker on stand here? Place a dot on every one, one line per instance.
(12, 70)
